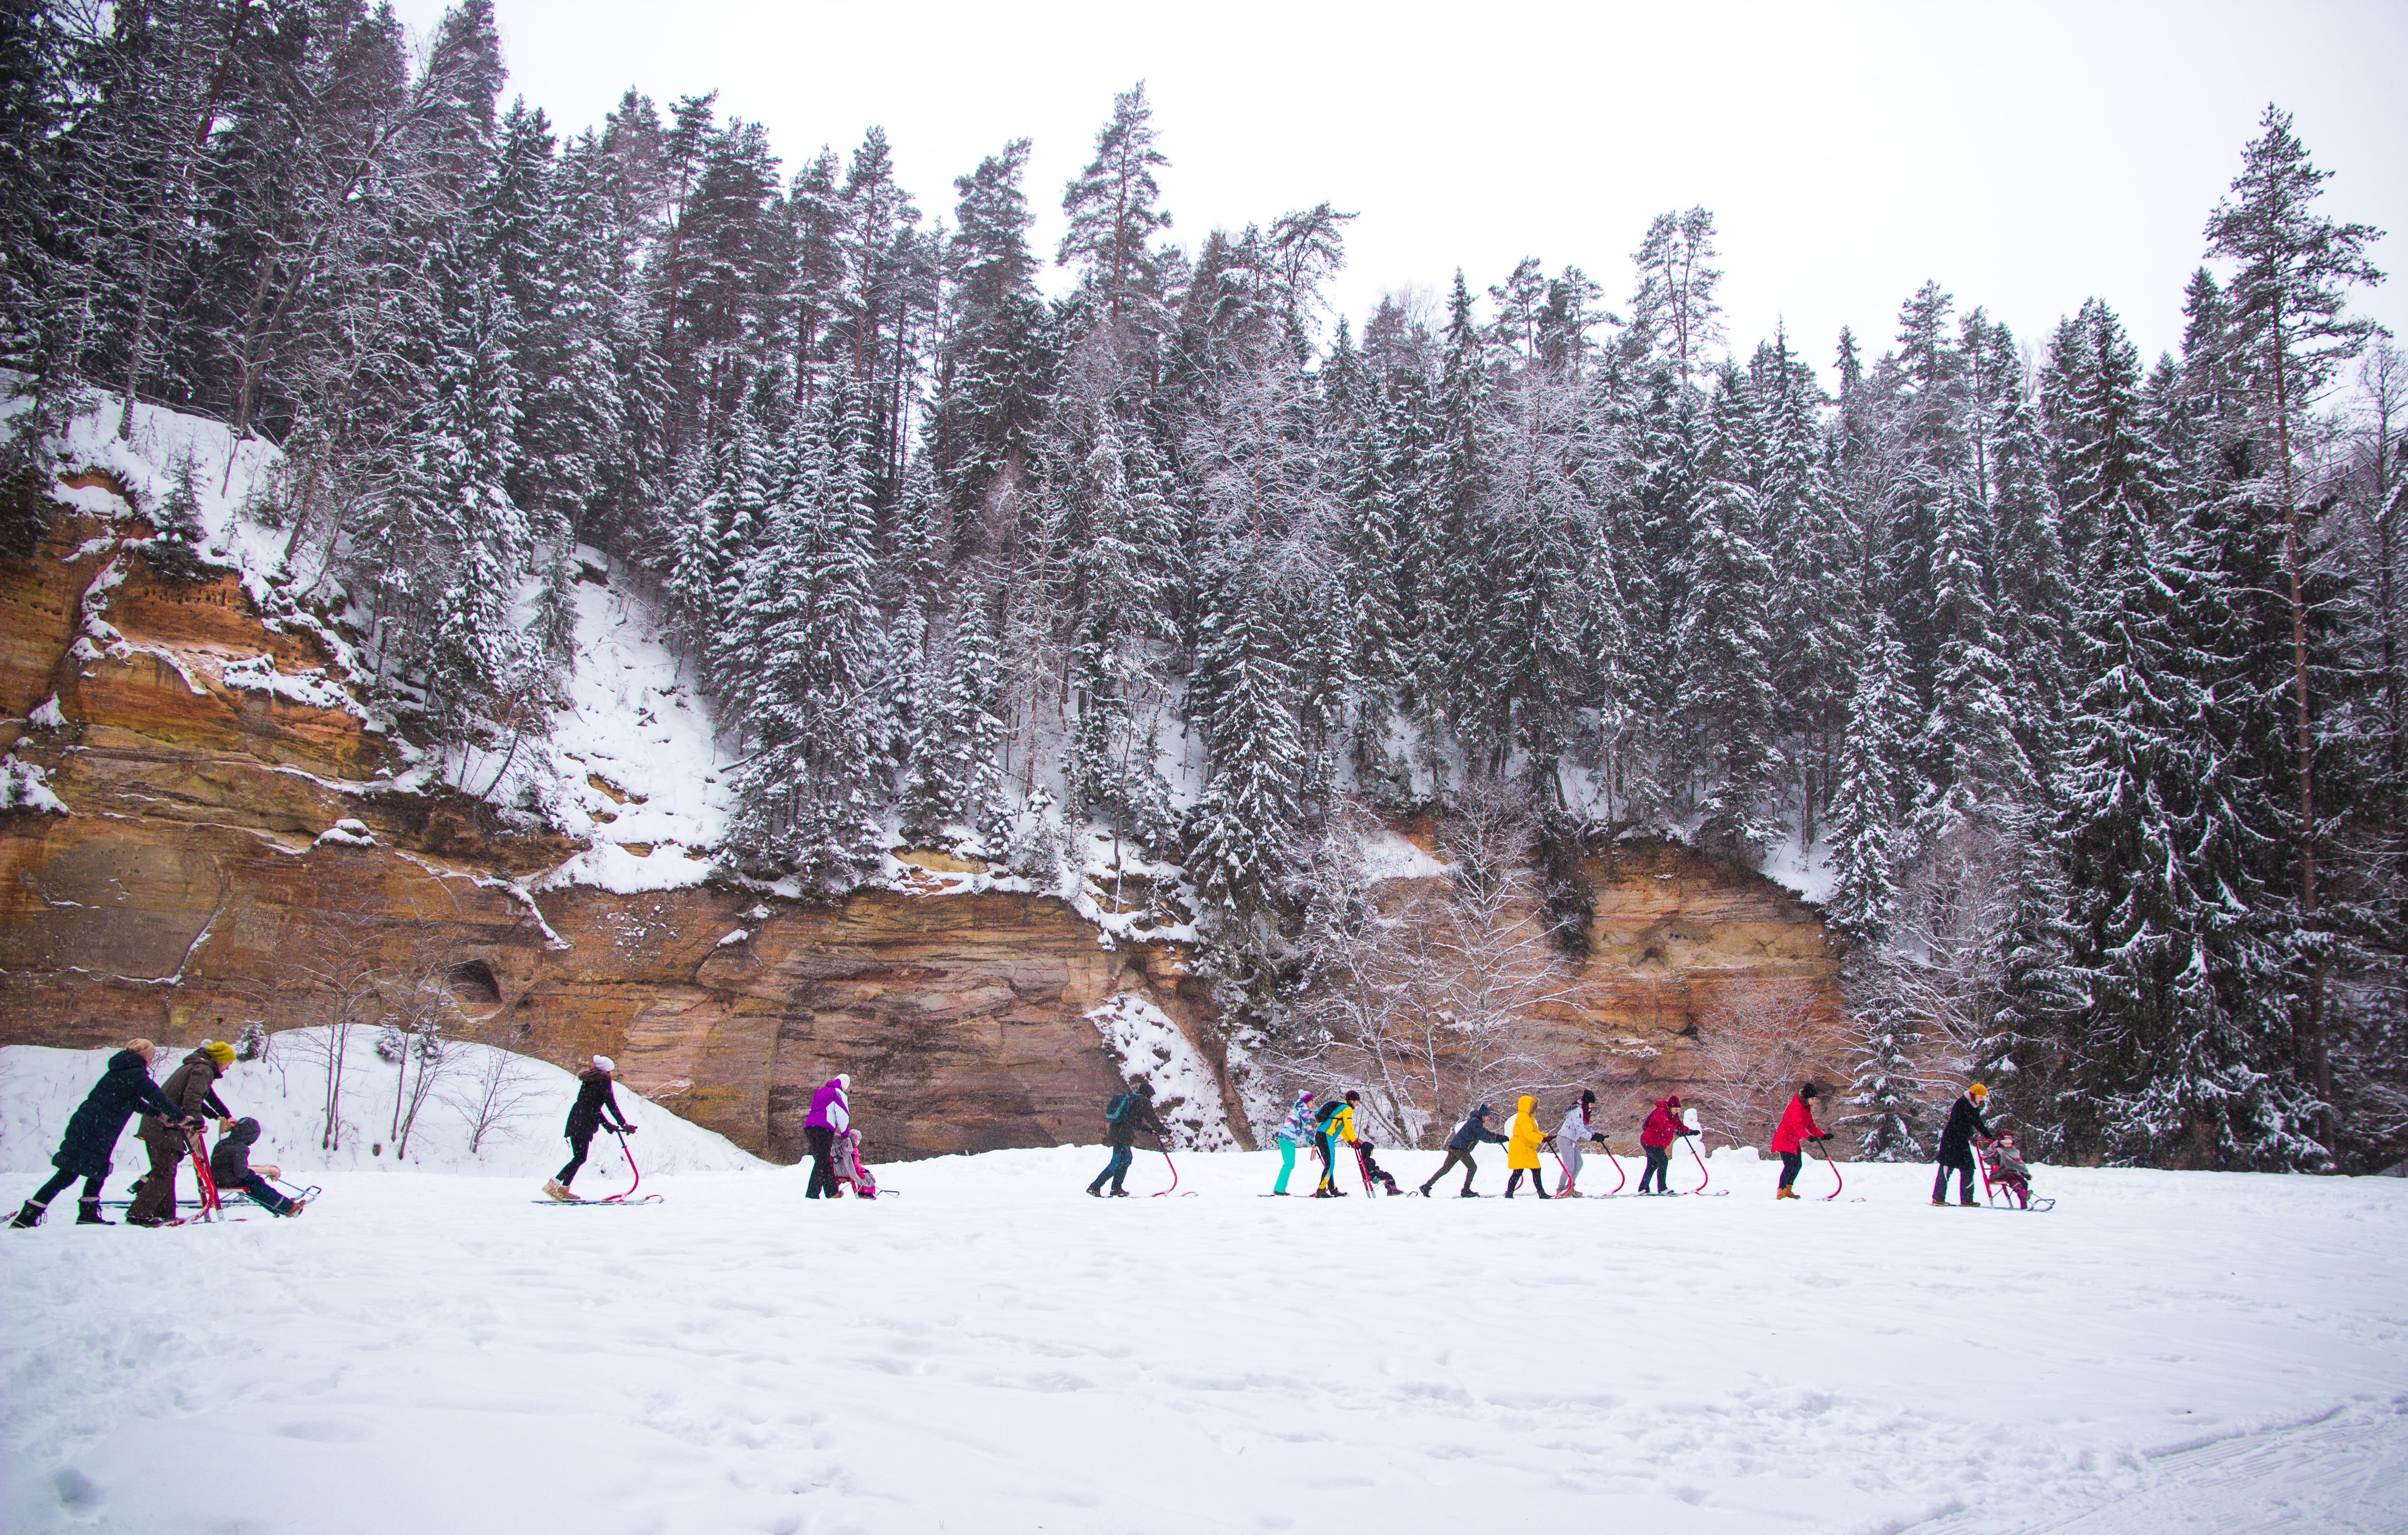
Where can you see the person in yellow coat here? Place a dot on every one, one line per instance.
(1337, 1129)
(1522, 1145)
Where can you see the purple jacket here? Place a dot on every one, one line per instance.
(829, 1111)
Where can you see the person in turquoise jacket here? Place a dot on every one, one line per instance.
(1297, 1127)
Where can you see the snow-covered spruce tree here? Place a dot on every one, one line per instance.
(472, 541)
(956, 772)
(809, 797)
(1817, 601)
(1725, 654)
(1869, 838)
(2182, 969)
(1890, 1083)
(1243, 836)
(1454, 564)
(1105, 530)
(174, 552)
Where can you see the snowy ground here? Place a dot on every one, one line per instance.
(993, 1352)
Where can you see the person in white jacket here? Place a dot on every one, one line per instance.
(1574, 1135)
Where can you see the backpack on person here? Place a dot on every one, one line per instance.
(1117, 1111)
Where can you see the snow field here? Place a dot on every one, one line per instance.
(995, 1352)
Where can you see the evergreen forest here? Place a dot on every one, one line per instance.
(2074, 674)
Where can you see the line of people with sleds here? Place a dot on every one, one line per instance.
(1335, 1131)
(175, 1116)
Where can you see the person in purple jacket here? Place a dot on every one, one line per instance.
(830, 1118)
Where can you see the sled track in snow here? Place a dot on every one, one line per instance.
(2343, 1473)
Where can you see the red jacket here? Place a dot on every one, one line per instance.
(1796, 1125)
(1662, 1127)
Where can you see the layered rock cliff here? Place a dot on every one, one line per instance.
(235, 844)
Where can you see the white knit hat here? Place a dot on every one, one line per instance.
(603, 1063)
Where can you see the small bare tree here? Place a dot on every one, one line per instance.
(341, 966)
(1753, 1051)
(497, 1093)
(1427, 998)
(413, 1042)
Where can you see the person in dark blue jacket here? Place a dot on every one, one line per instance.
(91, 1140)
(1467, 1135)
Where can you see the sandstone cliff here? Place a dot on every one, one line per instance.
(235, 838)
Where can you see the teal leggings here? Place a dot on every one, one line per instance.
(1287, 1164)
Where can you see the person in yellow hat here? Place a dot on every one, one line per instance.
(193, 1088)
(1965, 1121)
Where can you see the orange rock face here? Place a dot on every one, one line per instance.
(189, 892)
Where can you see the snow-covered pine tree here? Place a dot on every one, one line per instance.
(1243, 839)
(1816, 603)
(1869, 839)
(1723, 650)
(1453, 567)
(2287, 337)
(2174, 944)
(1114, 209)
(174, 552)
(808, 798)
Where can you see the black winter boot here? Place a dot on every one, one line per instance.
(88, 1213)
(30, 1216)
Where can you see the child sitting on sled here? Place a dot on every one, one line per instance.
(1372, 1170)
(230, 1169)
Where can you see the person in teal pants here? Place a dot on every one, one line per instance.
(1296, 1127)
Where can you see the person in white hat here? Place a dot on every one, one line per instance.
(595, 1107)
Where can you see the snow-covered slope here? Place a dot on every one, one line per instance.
(286, 1092)
(995, 1352)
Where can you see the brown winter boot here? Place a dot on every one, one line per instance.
(1970, 1202)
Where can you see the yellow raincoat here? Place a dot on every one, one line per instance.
(1522, 1144)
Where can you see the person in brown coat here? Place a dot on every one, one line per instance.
(193, 1088)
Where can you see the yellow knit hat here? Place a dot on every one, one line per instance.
(220, 1051)
(1977, 1092)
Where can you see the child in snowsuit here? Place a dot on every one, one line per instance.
(597, 1108)
(1965, 1122)
(1571, 1137)
(1372, 1170)
(230, 1169)
(1297, 1127)
(1127, 1114)
(191, 1088)
(1663, 1127)
(92, 1131)
(1797, 1127)
(1337, 1126)
(1522, 1148)
(1467, 1135)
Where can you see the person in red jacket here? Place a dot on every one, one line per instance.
(1663, 1127)
(1797, 1127)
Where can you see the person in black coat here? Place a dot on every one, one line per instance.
(1123, 1116)
(597, 1108)
(1471, 1133)
(92, 1135)
(1965, 1121)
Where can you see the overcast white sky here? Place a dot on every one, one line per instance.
(2026, 155)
